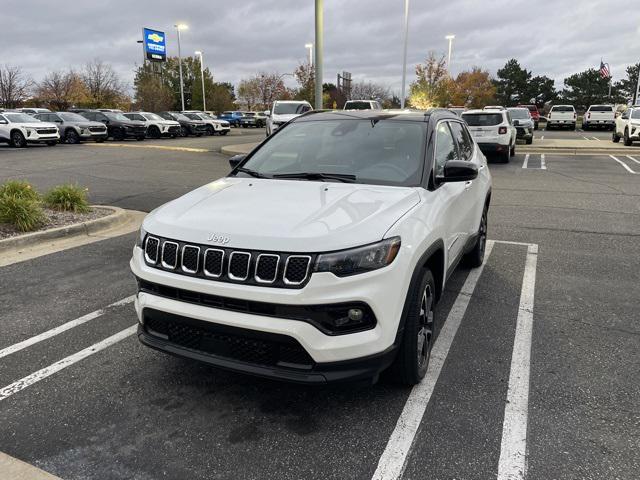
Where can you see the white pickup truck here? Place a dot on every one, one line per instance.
(562, 116)
(599, 116)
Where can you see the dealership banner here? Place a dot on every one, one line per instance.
(155, 45)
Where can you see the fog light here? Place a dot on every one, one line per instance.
(355, 314)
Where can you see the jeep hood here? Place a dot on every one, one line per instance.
(279, 117)
(283, 215)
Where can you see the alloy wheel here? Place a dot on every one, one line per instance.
(425, 327)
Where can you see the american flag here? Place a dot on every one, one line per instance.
(604, 70)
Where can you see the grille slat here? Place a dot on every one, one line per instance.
(268, 269)
(169, 255)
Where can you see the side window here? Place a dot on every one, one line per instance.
(52, 117)
(625, 115)
(100, 117)
(3, 120)
(465, 144)
(445, 147)
(509, 118)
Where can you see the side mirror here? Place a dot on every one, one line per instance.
(235, 160)
(267, 113)
(458, 171)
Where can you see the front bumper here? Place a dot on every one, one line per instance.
(88, 134)
(383, 291)
(249, 351)
(600, 123)
(34, 137)
(524, 132)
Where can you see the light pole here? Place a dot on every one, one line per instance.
(144, 56)
(404, 54)
(450, 38)
(309, 46)
(204, 100)
(180, 26)
(319, 48)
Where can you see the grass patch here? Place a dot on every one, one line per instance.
(68, 197)
(19, 189)
(24, 213)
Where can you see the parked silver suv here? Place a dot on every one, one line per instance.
(74, 128)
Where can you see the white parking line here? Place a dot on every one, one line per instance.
(542, 137)
(624, 165)
(62, 328)
(35, 377)
(596, 138)
(513, 450)
(631, 158)
(526, 161)
(543, 165)
(393, 460)
(585, 137)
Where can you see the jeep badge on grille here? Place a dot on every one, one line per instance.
(218, 239)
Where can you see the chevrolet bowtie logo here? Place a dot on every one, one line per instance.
(155, 37)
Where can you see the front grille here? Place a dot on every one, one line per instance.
(272, 269)
(46, 131)
(97, 129)
(174, 129)
(234, 343)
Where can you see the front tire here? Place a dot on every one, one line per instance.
(52, 143)
(615, 138)
(475, 257)
(154, 132)
(210, 130)
(412, 360)
(17, 140)
(71, 136)
(627, 139)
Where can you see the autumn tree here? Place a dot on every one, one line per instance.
(369, 91)
(249, 92)
(15, 86)
(431, 86)
(305, 76)
(473, 89)
(152, 94)
(61, 90)
(626, 87)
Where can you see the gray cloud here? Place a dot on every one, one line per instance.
(550, 37)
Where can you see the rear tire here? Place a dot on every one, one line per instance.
(615, 138)
(627, 139)
(475, 257)
(412, 359)
(529, 141)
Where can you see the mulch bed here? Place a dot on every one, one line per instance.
(55, 219)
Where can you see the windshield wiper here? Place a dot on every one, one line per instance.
(253, 173)
(347, 178)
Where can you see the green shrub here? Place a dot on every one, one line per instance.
(19, 189)
(67, 197)
(23, 213)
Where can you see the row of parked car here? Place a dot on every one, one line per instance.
(38, 125)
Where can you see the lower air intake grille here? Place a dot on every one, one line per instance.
(229, 342)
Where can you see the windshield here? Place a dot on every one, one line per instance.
(635, 114)
(562, 108)
(383, 152)
(180, 116)
(20, 118)
(519, 113)
(249, 114)
(601, 108)
(192, 116)
(290, 108)
(357, 106)
(152, 116)
(71, 117)
(482, 119)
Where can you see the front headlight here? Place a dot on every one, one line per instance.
(360, 259)
(141, 235)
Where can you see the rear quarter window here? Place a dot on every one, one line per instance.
(601, 108)
(482, 119)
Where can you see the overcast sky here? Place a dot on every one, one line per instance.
(240, 38)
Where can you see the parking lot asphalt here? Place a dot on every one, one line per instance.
(119, 410)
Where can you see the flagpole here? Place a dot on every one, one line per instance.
(609, 68)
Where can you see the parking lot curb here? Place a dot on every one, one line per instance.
(14, 469)
(91, 227)
(239, 149)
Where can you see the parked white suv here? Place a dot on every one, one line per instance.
(157, 126)
(284, 110)
(213, 125)
(628, 127)
(19, 129)
(562, 116)
(599, 116)
(362, 105)
(493, 130)
(321, 256)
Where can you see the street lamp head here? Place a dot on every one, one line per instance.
(308, 45)
(198, 52)
(181, 26)
(450, 37)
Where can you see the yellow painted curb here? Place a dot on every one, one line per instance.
(156, 147)
(14, 469)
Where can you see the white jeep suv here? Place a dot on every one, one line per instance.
(19, 129)
(627, 127)
(493, 130)
(284, 110)
(320, 257)
(157, 126)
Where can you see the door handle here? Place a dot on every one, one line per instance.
(467, 184)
